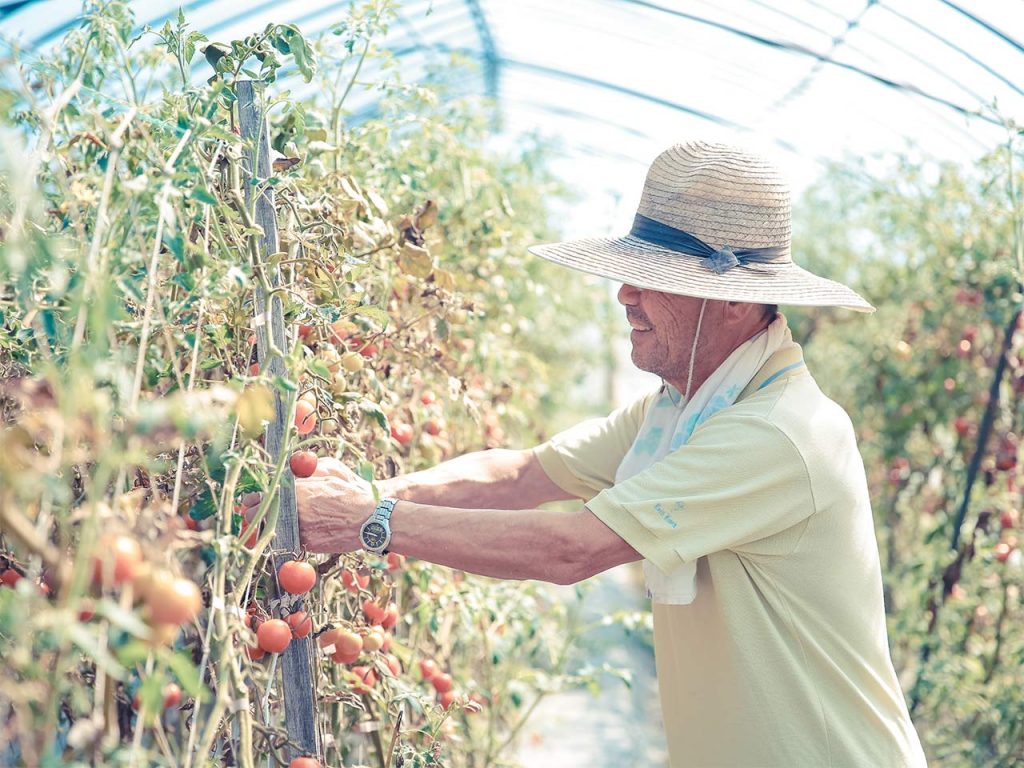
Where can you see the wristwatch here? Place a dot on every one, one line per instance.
(376, 532)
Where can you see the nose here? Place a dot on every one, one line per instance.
(629, 295)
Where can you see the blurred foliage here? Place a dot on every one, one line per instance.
(133, 400)
(937, 249)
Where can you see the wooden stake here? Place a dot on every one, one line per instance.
(297, 661)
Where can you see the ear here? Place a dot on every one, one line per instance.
(740, 313)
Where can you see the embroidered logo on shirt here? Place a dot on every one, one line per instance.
(666, 516)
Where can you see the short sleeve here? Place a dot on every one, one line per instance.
(583, 459)
(738, 480)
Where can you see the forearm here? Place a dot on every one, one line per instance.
(505, 544)
(495, 479)
(558, 547)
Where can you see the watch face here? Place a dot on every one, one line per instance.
(374, 535)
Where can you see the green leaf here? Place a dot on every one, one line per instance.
(374, 411)
(215, 53)
(203, 196)
(378, 315)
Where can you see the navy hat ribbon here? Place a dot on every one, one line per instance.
(718, 261)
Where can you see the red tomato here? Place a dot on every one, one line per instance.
(250, 542)
(172, 695)
(390, 616)
(446, 699)
(10, 577)
(387, 643)
(254, 652)
(344, 641)
(171, 600)
(296, 577)
(355, 581)
(86, 611)
(395, 561)
(402, 432)
(274, 635)
(254, 369)
(300, 623)
(340, 657)
(303, 463)
(348, 642)
(305, 417)
(304, 762)
(367, 679)
(305, 330)
(117, 560)
(432, 427)
(442, 682)
(394, 665)
(428, 668)
(373, 612)
(428, 398)
(252, 339)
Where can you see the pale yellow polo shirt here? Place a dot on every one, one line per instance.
(782, 661)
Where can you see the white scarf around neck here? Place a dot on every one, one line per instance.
(669, 423)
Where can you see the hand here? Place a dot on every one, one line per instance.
(333, 504)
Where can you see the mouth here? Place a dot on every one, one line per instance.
(637, 325)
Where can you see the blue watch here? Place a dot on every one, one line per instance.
(375, 534)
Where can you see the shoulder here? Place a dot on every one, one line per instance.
(819, 430)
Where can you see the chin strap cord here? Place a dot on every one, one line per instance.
(693, 351)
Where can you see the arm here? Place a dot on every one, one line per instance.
(495, 479)
(503, 543)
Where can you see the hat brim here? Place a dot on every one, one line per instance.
(637, 262)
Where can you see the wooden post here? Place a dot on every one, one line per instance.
(297, 661)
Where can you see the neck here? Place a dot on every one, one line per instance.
(709, 357)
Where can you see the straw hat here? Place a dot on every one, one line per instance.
(713, 222)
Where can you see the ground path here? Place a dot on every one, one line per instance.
(620, 727)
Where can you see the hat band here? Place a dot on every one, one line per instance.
(718, 261)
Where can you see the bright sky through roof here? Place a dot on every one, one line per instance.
(613, 82)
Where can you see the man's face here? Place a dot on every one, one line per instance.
(663, 328)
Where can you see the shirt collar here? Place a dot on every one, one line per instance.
(783, 364)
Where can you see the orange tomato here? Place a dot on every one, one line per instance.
(402, 432)
(428, 668)
(274, 635)
(300, 623)
(355, 581)
(446, 699)
(442, 682)
(117, 561)
(367, 678)
(171, 600)
(172, 695)
(296, 577)
(305, 417)
(390, 616)
(373, 612)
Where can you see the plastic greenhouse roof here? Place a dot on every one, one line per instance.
(616, 81)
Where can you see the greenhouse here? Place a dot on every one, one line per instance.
(474, 384)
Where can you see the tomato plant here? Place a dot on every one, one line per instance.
(137, 489)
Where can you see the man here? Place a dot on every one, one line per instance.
(737, 482)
